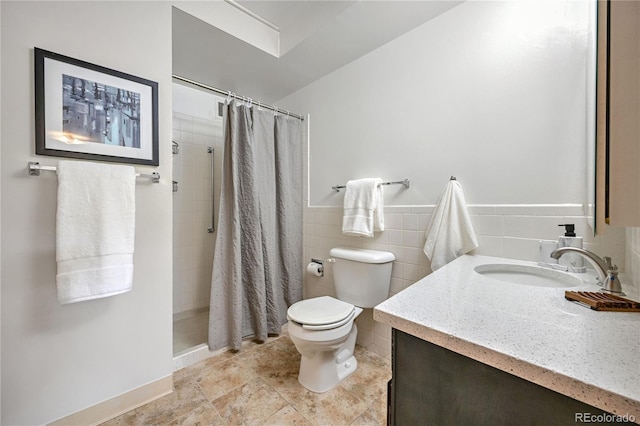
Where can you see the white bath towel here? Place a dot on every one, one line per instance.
(363, 207)
(450, 232)
(95, 229)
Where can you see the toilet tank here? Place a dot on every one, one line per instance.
(362, 277)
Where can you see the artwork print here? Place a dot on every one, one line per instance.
(100, 113)
(88, 111)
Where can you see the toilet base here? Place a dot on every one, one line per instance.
(323, 370)
(320, 376)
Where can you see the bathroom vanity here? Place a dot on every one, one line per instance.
(474, 348)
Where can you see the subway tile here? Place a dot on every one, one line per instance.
(183, 117)
(519, 226)
(198, 139)
(514, 209)
(546, 227)
(481, 210)
(397, 285)
(381, 238)
(186, 137)
(203, 127)
(423, 222)
(368, 243)
(615, 233)
(381, 345)
(411, 272)
(397, 209)
(381, 329)
(397, 269)
(410, 222)
(520, 248)
(428, 210)
(487, 224)
(393, 221)
(394, 237)
(413, 239)
(490, 246)
(412, 255)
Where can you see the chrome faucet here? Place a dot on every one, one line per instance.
(607, 273)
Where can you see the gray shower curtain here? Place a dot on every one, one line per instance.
(257, 265)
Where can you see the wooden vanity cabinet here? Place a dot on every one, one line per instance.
(432, 385)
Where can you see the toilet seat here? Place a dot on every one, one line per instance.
(321, 313)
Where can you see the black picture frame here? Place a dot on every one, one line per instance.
(86, 111)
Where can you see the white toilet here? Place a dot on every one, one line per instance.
(323, 328)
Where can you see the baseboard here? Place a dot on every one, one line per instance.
(118, 405)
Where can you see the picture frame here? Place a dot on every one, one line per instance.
(86, 111)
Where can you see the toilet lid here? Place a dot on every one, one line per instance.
(320, 311)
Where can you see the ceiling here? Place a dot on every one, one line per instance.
(316, 38)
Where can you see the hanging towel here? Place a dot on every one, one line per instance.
(450, 233)
(95, 228)
(363, 207)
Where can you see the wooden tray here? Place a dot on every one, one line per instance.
(603, 301)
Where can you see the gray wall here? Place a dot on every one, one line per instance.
(59, 359)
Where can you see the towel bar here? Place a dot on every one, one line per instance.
(34, 170)
(404, 182)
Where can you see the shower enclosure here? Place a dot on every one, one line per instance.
(197, 154)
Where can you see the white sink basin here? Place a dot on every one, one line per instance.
(528, 275)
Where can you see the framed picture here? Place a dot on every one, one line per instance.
(91, 112)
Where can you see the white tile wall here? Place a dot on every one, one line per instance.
(192, 245)
(510, 231)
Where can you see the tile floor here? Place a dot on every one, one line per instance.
(259, 386)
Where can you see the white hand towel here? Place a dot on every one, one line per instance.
(450, 232)
(363, 207)
(95, 230)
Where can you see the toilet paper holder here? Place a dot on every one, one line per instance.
(321, 263)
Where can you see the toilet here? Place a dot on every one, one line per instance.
(323, 329)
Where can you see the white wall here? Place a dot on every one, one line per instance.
(234, 21)
(492, 92)
(59, 359)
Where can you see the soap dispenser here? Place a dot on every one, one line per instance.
(574, 262)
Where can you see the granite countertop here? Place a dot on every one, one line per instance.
(531, 332)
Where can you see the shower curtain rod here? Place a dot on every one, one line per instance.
(226, 93)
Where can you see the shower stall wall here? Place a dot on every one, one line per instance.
(196, 128)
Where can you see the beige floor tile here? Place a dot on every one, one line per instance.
(259, 386)
(287, 416)
(185, 397)
(203, 415)
(368, 382)
(277, 363)
(249, 404)
(336, 407)
(224, 377)
(375, 415)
